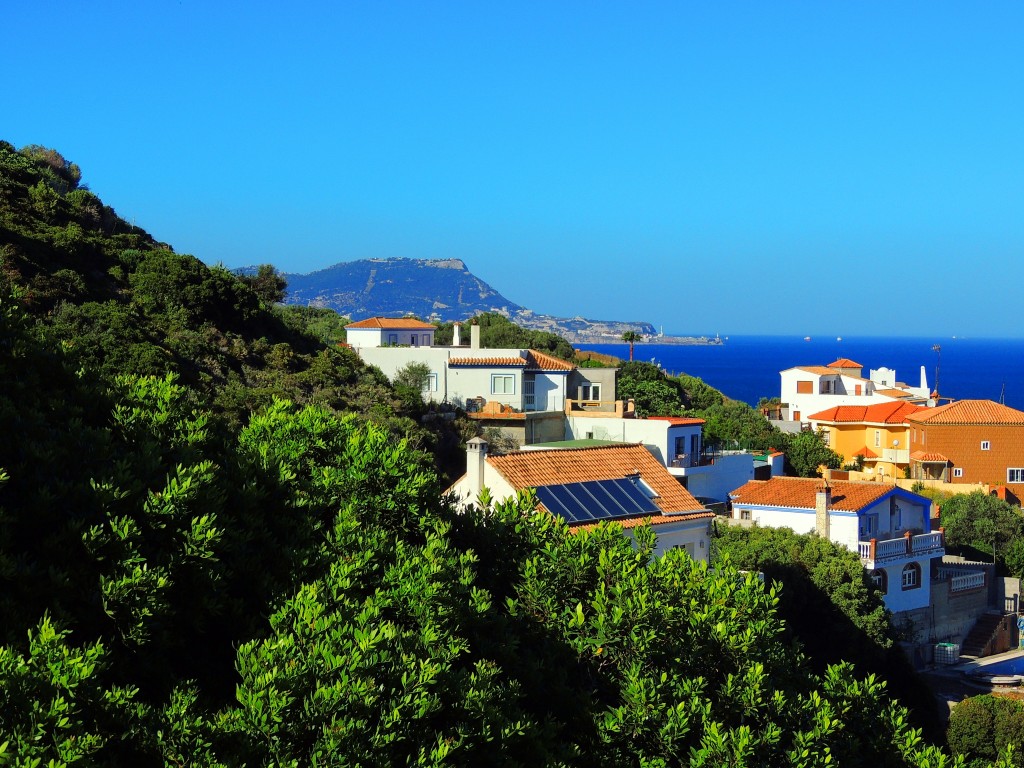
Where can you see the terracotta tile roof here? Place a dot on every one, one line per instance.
(490, 362)
(929, 457)
(634, 522)
(391, 322)
(866, 452)
(545, 362)
(879, 413)
(678, 421)
(893, 392)
(801, 492)
(845, 362)
(970, 412)
(819, 370)
(533, 469)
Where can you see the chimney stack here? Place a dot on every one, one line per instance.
(456, 334)
(822, 505)
(474, 336)
(476, 460)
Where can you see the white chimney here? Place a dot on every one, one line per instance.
(456, 334)
(476, 461)
(474, 336)
(924, 382)
(822, 509)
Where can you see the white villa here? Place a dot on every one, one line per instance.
(586, 486)
(808, 389)
(889, 528)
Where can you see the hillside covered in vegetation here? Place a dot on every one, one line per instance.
(224, 542)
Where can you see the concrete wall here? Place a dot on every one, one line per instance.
(691, 535)
(948, 618)
(718, 480)
(652, 434)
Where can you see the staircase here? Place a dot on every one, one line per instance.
(980, 637)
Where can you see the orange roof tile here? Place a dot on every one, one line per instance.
(391, 322)
(929, 457)
(800, 493)
(866, 452)
(491, 362)
(533, 469)
(970, 412)
(546, 362)
(893, 392)
(678, 421)
(879, 413)
(845, 362)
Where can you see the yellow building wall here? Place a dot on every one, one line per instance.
(848, 439)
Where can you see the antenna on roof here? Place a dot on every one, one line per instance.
(937, 349)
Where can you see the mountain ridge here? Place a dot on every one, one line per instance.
(442, 290)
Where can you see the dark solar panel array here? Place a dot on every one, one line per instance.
(597, 500)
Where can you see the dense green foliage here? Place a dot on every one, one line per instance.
(830, 606)
(498, 332)
(987, 525)
(981, 727)
(231, 549)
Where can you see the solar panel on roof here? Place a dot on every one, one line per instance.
(596, 500)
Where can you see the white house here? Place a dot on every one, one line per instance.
(809, 389)
(390, 331)
(586, 486)
(471, 377)
(677, 443)
(889, 528)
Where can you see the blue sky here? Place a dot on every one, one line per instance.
(772, 167)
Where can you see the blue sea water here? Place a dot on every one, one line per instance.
(747, 367)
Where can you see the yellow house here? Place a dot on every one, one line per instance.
(880, 433)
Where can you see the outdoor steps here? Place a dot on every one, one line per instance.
(981, 633)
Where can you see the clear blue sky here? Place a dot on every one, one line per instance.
(769, 167)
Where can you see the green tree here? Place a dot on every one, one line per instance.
(806, 453)
(631, 337)
(982, 521)
(653, 393)
(268, 284)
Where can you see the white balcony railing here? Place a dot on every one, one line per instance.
(905, 547)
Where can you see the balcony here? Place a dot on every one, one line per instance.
(906, 548)
(606, 408)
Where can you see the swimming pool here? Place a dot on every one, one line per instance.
(1014, 666)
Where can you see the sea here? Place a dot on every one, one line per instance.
(747, 367)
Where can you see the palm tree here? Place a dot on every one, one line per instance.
(631, 337)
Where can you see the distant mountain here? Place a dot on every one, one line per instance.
(434, 289)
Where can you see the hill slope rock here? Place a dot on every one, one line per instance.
(441, 290)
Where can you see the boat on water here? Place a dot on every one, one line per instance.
(807, 338)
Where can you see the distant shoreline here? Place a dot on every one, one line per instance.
(706, 341)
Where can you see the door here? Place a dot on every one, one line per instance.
(530, 395)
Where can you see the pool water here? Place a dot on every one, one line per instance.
(1014, 666)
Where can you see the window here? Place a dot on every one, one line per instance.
(430, 385)
(826, 387)
(878, 438)
(392, 338)
(595, 391)
(958, 472)
(1015, 475)
(986, 445)
(414, 340)
(911, 576)
(881, 580)
(503, 384)
(804, 387)
(826, 436)
(744, 514)
(857, 389)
